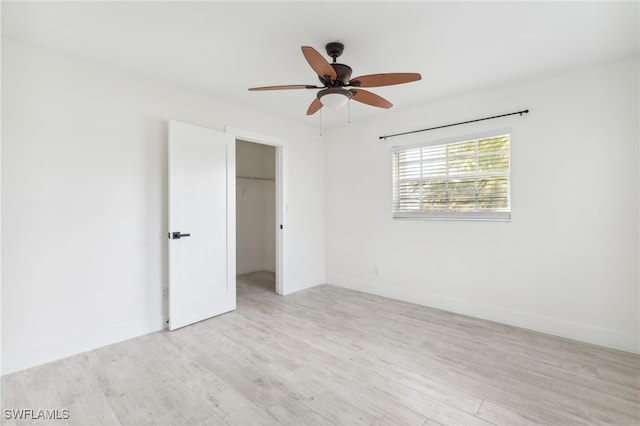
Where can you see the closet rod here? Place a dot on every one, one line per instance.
(526, 111)
(254, 178)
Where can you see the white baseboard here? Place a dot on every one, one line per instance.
(558, 327)
(62, 348)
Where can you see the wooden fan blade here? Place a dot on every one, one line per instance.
(289, 87)
(314, 107)
(377, 80)
(319, 63)
(370, 98)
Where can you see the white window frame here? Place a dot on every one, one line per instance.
(450, 215)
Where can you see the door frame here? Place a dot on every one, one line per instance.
(281, 191)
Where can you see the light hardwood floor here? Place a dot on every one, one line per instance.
(329, 355)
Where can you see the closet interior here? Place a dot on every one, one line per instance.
(256, 213)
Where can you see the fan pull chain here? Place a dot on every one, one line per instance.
(320, 121)
(349, 111)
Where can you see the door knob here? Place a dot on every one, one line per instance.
(177, 235)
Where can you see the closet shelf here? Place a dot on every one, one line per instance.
(254, 178)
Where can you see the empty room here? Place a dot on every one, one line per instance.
(320, 213)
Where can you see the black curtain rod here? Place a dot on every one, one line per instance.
(526, 111)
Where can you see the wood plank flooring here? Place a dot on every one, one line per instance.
(327, 356)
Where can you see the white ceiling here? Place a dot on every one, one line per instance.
(223, 48)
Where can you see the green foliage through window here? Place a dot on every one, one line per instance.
(455, 178)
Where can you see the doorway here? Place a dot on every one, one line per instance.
(256, 213)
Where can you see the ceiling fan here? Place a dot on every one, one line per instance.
(335, 79)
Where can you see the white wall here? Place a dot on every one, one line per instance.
(256, 207)
(84, 194)
(566, 264)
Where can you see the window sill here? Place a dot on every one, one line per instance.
(473, 216)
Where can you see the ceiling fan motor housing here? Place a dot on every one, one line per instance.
(335, 49)
(344, 75)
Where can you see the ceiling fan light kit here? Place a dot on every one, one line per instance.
(335, 78)
(334, 97)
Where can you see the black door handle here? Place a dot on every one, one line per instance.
(177, 235)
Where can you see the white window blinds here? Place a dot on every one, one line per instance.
(464, 179)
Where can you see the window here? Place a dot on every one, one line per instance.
(458, 180)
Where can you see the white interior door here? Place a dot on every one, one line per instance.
(202, 279)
